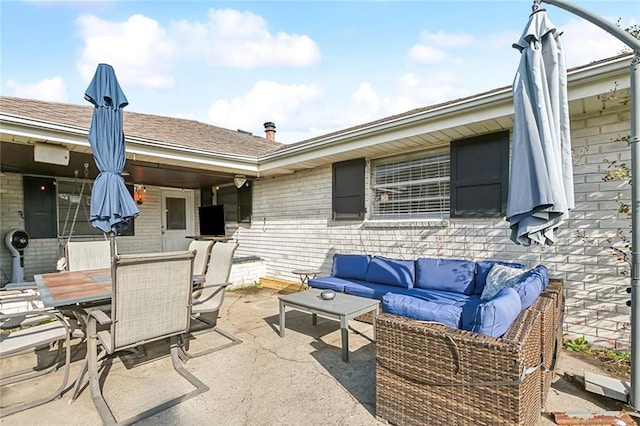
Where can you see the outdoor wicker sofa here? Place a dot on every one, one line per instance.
(428, 373)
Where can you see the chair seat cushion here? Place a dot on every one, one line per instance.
(332, 283)
(423, 310)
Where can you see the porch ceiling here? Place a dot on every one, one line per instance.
(18, 158)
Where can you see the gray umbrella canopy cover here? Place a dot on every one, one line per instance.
(541, 181)
(112, 207)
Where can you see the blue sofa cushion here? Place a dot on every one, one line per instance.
(445, 274)
(395, 272)
(350, 266)
(412, 307)
(531, 284)
(331, 283)
(482, 270)
(373, 291)
(493, 318)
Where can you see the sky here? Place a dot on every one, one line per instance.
(311, 67)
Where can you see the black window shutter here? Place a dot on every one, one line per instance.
(348, 189)
(244, 203)
(480, 176)
(39, 206)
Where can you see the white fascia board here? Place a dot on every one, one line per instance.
(399, 131)
(51, 132)
(18, 126)
(192, 159)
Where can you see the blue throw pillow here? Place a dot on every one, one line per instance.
(531, 284)
(445, 274)
(493, 318)
(350, 266)
(423, 310)
(500, 277)
(482, 270)
(399, 273)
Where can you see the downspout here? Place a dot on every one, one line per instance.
(634, 44)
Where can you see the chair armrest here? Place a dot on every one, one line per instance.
(224, 285)
(100, 317)
(31, 318)
(439, 355)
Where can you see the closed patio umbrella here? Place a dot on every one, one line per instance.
(541, 182)
(112, 207)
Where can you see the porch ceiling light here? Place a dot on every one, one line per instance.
(239, 180)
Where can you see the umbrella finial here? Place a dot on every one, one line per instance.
(536, 5)
(536, 8)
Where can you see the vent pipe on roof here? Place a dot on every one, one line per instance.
(270, 130)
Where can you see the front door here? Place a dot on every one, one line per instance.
(177, 219)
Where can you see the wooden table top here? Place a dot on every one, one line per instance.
(70, 288)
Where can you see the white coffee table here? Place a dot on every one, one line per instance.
(343, 308)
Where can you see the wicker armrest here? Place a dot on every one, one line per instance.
(428, 373)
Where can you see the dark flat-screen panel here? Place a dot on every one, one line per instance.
(212, 220)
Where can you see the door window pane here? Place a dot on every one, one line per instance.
(176, 213)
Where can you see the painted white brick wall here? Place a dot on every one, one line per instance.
(292, 228)
(41, 254)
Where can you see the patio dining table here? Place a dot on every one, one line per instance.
(59, 289)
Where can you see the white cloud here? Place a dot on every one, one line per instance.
(267, 101)
(443, 39)
(51, 89)
(434, 47)
(242, 39)
(585, 42)
(428, 54)
(138, 49)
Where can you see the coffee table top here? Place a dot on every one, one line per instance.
(340, 305)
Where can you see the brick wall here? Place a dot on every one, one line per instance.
(292, 228)
(41, 254)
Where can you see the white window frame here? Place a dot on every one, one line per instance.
(416, 186)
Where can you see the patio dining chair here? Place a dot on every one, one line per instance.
(87, 255)
(203, 251)
(208, 300)
(151, 301)
(29, 334)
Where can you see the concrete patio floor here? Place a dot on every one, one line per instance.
(266, 380)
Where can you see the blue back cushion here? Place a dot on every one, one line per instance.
(493, 318)
(395, 272)
(423, 310)
(531, 285)
(482, 270)
(350, 266)
(445, 274)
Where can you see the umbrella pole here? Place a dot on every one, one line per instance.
(634, 44)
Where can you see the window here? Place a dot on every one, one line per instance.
(74, 209)
(348, 189)
(411, 186)
(60, 208)
(237, 202)
(480, 176)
